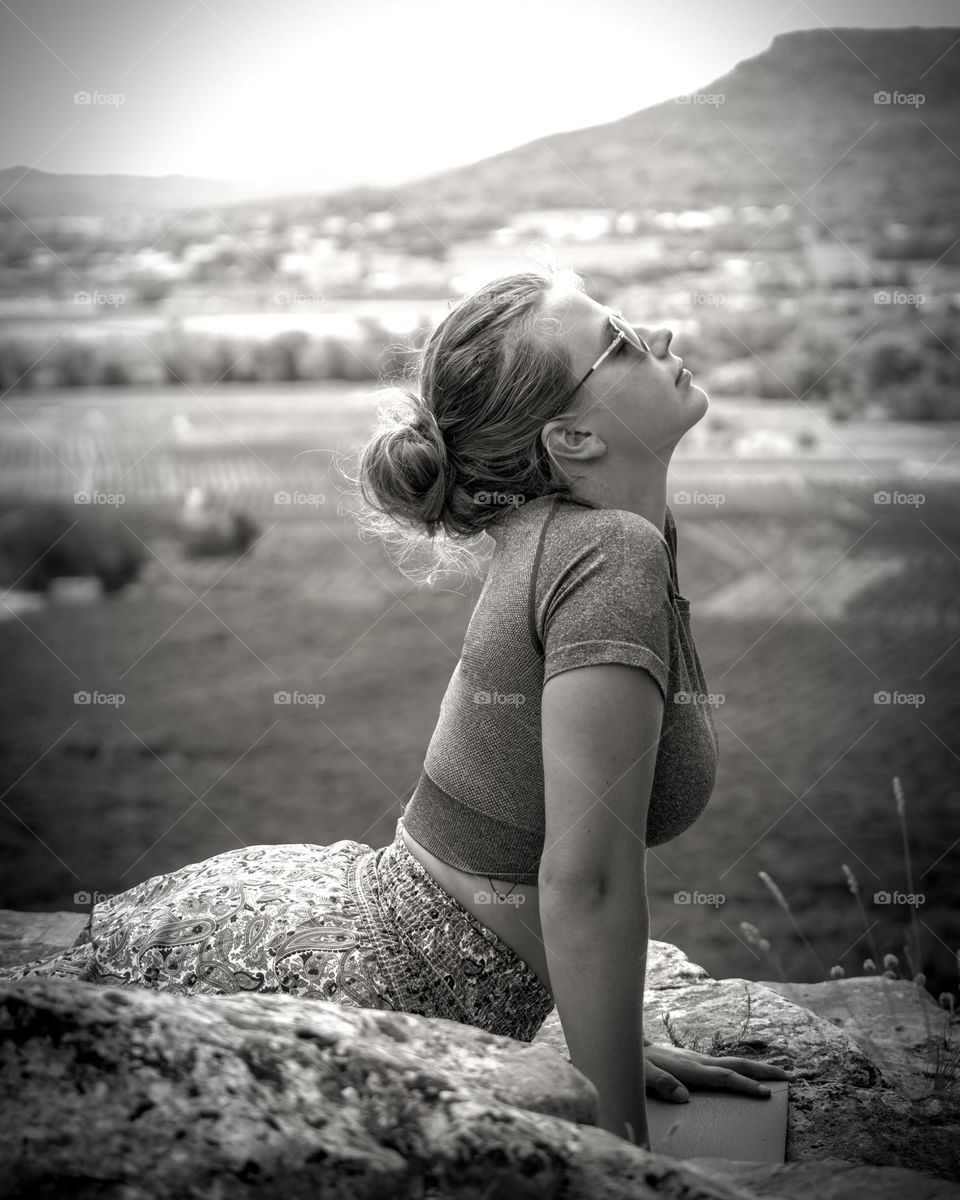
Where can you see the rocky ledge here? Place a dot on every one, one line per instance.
(128, 1094)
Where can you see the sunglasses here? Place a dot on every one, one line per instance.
(624, 333)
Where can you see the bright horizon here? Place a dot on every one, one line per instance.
(336, 92)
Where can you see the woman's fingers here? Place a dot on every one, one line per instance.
(695, 1070)
(720, 1078)
(729, 1080)
(665, 1085)
(752, 1068)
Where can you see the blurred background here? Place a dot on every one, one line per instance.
(222, 232)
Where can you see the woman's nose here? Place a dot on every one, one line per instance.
(658, 339)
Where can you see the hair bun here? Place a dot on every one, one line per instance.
(425, 423)
(433, 457)
(414, 470)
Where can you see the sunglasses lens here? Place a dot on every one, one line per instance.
(629, 333)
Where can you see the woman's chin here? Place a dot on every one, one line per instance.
(697, 396)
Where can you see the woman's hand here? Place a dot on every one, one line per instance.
(667, 1069)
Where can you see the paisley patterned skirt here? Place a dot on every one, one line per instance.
(345, 923)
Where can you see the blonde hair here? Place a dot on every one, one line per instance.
(457, 444)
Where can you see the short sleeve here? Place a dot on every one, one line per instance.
(607, 597)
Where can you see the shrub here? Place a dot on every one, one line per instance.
(321, 358)
(891, 357)
(737, 335)
(813, 363)
(277, 358)
(927, 397)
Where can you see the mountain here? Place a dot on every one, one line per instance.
(30, 192)
(800, 115)
(801, 110)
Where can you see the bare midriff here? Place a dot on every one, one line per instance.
(515, 919)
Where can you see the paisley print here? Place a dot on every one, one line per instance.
(344, 923)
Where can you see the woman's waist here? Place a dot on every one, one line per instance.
(481, 888)
(510, 910)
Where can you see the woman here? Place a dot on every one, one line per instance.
(516, 879)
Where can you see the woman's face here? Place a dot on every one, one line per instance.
(632, 400)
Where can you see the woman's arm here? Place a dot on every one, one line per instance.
(601, 730)
(596, 948)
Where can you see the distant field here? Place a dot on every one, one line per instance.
(199, 759)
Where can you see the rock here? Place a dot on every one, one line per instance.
(828, 1179)
(892, 1020)
(844, 1103)
(207, 532)
(25, 936)
(128, 1092)
(47, 540)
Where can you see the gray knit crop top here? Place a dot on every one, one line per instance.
(569, 585)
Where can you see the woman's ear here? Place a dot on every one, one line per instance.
(564, 441)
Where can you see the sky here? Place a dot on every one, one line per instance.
(336, 92)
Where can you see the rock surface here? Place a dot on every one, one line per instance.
(130, 1093)
(25, 936)
(892, 1020)
(843, 1103)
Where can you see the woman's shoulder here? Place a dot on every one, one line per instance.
(583, 523)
